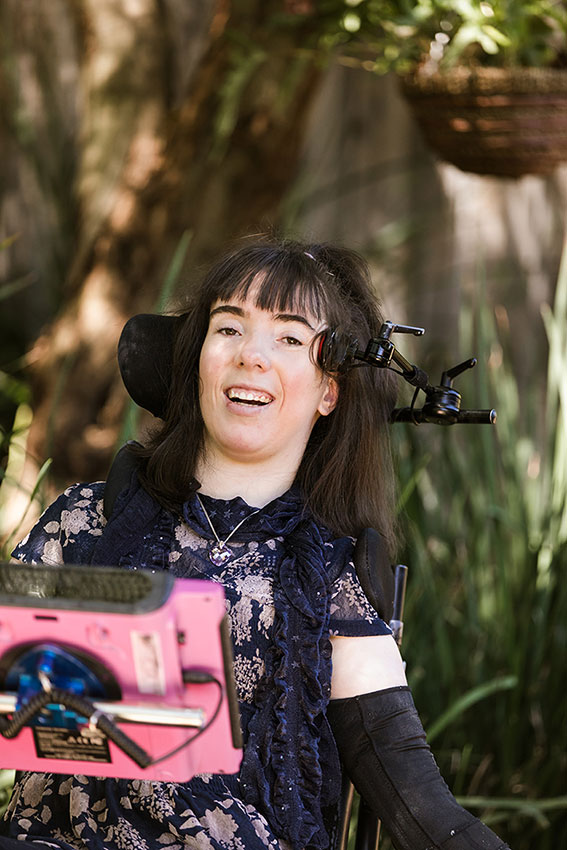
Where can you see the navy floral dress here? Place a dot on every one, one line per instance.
(268, 805)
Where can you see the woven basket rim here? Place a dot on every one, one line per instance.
(461, 80)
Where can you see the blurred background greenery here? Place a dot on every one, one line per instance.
(139, 138)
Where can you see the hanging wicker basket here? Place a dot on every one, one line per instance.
(504, 122)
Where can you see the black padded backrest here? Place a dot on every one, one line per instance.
(375, 573)
(119, 476)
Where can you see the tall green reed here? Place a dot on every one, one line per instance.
(130, 423)
(486, 618)
(15, 409)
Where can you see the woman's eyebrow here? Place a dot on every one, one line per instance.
(293, 317)
(281, 317)
(227, 308)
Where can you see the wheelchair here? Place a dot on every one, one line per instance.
(383, 586)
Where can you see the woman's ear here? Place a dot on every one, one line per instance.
(330, 397)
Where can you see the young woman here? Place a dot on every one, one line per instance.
(270, 459)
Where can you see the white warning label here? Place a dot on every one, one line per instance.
(148, 662)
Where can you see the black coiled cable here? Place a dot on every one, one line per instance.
(84, 708)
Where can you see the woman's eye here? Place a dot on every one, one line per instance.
(292, 340)
(227, 331)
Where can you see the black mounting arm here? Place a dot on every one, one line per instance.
(442, 404)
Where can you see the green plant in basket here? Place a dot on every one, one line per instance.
(402, 36)
(485, 79)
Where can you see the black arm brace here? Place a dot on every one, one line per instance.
(383, 747)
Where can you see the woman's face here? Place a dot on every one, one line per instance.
(260, 392)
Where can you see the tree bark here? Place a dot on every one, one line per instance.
(189, 119)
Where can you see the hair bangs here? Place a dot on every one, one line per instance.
(281, 280)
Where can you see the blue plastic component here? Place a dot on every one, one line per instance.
(63, 670)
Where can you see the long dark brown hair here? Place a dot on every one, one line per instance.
(345, 475)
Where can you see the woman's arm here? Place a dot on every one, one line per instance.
(365, 664)
(384, 750)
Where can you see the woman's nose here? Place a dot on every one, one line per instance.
(255, 352)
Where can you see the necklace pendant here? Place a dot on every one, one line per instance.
(219, 555)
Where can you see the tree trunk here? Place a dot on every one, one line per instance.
(189, 120)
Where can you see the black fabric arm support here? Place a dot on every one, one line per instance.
(384, 750)
(375, 572)
(119, 476)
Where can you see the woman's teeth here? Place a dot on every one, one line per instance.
(248, 397)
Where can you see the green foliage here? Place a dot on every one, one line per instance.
(130, 422)
(486, 618)
(15, 418)
(13, 390)
(400, 35)
(12, 475)
(32, 496)
(6, 784)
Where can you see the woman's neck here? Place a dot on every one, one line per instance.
(257, 484)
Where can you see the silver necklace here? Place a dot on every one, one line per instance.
(219, 554)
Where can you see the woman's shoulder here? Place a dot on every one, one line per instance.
(352, 612)
(68, 528)
(77, 507)
(338, 552)
(82, 495)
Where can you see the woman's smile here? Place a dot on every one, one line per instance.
(248, 396)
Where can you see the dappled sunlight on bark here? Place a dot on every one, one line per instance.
(158, 151)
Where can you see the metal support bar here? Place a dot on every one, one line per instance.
(126, 713)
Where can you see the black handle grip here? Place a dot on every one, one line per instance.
(397, 621)
(477, 417)
(463, 417)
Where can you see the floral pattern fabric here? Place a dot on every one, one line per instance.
(209, 812)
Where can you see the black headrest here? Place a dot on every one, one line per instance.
(145, 357)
